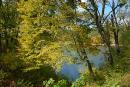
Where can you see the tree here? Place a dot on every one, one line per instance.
(41, 30)
(8, 25)
(98, 20)
(79, 35)
(115, 24)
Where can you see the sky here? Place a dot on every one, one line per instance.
(107, 10)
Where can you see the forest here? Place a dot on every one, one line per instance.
(64, 43)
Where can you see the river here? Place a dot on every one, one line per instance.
(72, 71)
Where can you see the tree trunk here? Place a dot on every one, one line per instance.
(110, 58)
(6, 40)
(7, 44)
(90, 67)
(85, 57)
(108, 44)
(114, 21)
(116, 38)
(0, 3)
(106, 40)
(0, 45)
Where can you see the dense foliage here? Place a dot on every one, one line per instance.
(38, 37)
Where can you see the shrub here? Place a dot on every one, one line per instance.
(22, 83)
(125, 81)
(61, 83)
(81, 82)
(48, 83)
(3, 74)
(86, 80)
(52, 83)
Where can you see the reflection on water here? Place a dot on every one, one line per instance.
(72, 71)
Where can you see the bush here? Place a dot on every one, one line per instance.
(61, 83)
(81, 82)
(22, 83)
(48, 83)
(52, 83)
(86, 80)
(3, 74)
(112, 80)
(125, 81)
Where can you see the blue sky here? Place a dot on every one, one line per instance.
(107, 9)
